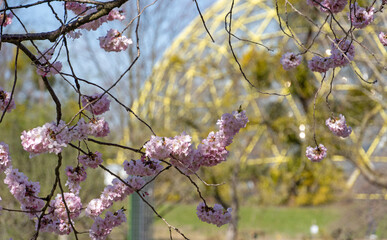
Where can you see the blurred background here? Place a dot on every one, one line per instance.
(185, 82)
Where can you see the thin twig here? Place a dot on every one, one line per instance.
(203, 21)
(13, 87)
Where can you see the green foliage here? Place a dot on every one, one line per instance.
(258, 67)
(300, 183)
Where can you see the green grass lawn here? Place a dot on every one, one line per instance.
(284, 221)
(287, 221)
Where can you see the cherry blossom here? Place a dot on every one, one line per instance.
(8, 19)
(26, 192)
(231, 123)
(75, 176)
(142, 167)
(98, 127)
(94, 25)
(73, 203)
(181, 151)
(117, 191)
(334, 6)
(338, 126)
(5, 100)
(383, 38)
(320, 64)
(77, 8)
(360, 17)
(158, 147)
(289, 60)
(95, 208)
(56, 220)
(74, 34)
(114, 41)
(97, 107)
(51, 138)
(101, 228)
(212, 150)
(92, 160)
(5, 159)
(316, 154)
(46, 56)
(215, 215)
(343, 52)
(115, 14)
(49, 70)
(81, 130)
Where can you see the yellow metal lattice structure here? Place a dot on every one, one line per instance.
(197, 81)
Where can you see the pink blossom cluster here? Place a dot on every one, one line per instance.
(44, 67)
(5, 158)
(316, 154)
(5, 99)
(96, 107)
(49, 70)
(7, 20)
(75, 177)
(82, 9)
(57, 220)
(93, 25)
(114, 41)
(334, 6)
(101, 228)
(215, 215)
(52, 138)
(114, 14)
(231, 123)
(210, 152)
(1, 208)
(182, 153)
(46, 56)
(342, 52)
(360, 17)
(338, 126)
(77, 8)
(50, 223)
(158, 147)
(73, 203)
(96, 127)
(92, 160)
(74, 34)
(290, 60)
(383, 38)
(26, 192)
(142, 167)
(49, 138)
(320, 64)
(117, 191)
